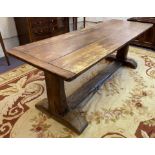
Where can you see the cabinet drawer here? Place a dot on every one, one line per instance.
(39, 21)
(31, 29)
(41, 30)
(147, 37)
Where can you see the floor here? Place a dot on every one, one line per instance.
(110, 112)
(13, 61)
(122, 107)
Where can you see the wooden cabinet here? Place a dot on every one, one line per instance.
(32, 29)
(146, 39)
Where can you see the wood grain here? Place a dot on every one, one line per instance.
(71, 54)
(41, 64)
(81, 59)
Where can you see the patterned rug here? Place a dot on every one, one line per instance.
(123, 107)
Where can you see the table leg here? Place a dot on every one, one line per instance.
(75, 23)
(57, 105)
(4, 50)
(121, 56)
(84, 22)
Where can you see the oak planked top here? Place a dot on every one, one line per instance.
(70, 54)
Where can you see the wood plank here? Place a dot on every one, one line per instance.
(42, 65)
(52, 50)
(56, 47)
(68, 36)
(71, 54)
(82, 59)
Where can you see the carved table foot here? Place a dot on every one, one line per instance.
(72, 119)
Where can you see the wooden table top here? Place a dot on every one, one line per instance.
(71, 54)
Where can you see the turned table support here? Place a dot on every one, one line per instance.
(57, 102)
(121, 56)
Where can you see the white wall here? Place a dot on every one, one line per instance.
(9, 33)
(97, 19)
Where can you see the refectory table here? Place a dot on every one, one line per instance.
(65, 57)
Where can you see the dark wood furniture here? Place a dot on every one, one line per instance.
(4, 50)
(67, 56)
(147, 39)
(75, 22)
(32, 29)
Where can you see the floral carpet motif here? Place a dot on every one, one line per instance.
(123, 107)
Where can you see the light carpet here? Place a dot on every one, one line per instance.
(123, 107)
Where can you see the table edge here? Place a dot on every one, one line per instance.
(65, 74)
